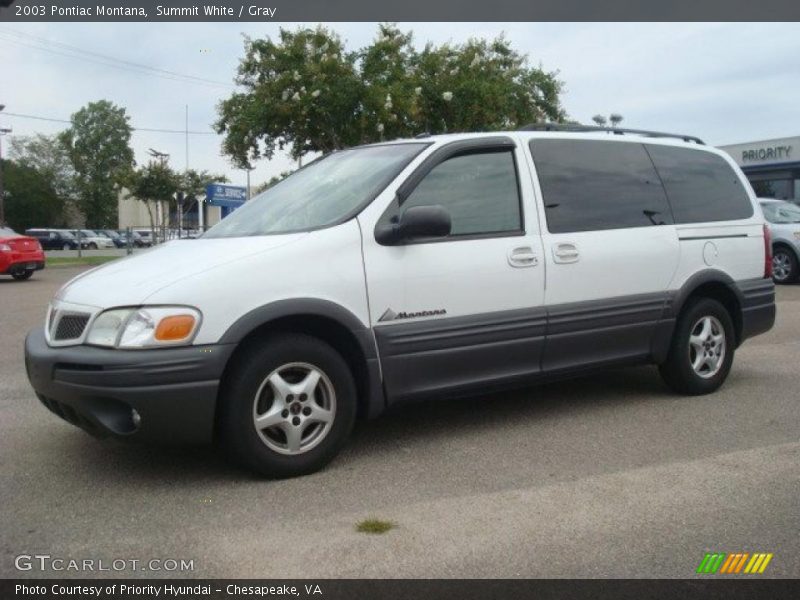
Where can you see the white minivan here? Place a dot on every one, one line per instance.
(433, 267)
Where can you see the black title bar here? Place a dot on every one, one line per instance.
(401, 10)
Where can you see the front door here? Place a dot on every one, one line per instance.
(465, 312)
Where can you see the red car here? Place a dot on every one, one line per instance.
(20, 255)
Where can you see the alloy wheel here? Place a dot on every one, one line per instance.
(707, 347)
(294, 408)
(781, 266)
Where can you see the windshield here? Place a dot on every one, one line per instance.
(67, 234)
(323, 193)
(781, 212)
(6, 232)
(88, 233)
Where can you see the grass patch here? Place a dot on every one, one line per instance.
(74, 261)
(374, 526)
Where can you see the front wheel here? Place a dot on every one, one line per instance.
(784, 265)
(22, 275)
(701, 353)
(93, 246)
(288, 407)
(66, 247)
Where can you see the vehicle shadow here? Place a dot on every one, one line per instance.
(412, 425)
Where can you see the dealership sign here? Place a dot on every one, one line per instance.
(230, 196)
(768, 153)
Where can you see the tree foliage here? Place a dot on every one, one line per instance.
(157, 182)
(98, 144)
(47, 155)
(194, 183)
(30, 198)
(153, 183)
(307, 92)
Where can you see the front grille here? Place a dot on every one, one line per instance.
(70, 326)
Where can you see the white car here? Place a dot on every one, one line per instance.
(433, 267)
(93, 240)
(783, 220)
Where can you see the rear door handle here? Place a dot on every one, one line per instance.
(524, 256)
(565, 252)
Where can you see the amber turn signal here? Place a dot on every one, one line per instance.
(174, 328)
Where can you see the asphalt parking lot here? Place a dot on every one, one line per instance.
(608, 476)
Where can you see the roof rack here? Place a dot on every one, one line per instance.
(571, 127)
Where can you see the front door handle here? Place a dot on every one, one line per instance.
(524, 256)
(565, 252)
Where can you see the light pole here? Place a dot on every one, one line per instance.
(248, 168)
(3, 131)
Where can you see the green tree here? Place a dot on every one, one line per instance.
(307, 92)
(193, 184)
(30, 199)
(154, 183)
(98, 144)
(48, 155)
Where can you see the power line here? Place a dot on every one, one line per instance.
(70, 51)
(148, 129)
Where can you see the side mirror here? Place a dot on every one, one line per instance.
(416, 222)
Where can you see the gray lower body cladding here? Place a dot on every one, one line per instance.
(482, 353)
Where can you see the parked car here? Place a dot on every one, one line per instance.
(146, 236)
(93, 239)
(118, 241)
(20, 255)
(442, 266)
(136, 239)
(783, 220)
(56, 239)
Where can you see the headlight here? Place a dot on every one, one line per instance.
(146, 327)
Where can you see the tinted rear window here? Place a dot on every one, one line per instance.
(593, 184)
(700, 186)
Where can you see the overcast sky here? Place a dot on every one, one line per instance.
(725, 83)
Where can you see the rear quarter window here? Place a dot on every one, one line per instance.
(701, 186)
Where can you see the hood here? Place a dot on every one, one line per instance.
(129, 281)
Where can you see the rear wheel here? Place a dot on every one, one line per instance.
(22, 275)
(66, 247)
(289, 407)
(784, 265)
(703, 344)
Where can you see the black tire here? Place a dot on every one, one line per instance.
(678, 371)
(92, 246)
(784, 265)
(22, 275)
(237, 430)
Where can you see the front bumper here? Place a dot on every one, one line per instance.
(172, 390)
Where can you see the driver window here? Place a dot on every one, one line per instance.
(478, 189)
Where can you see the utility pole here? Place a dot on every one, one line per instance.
(2, 189)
